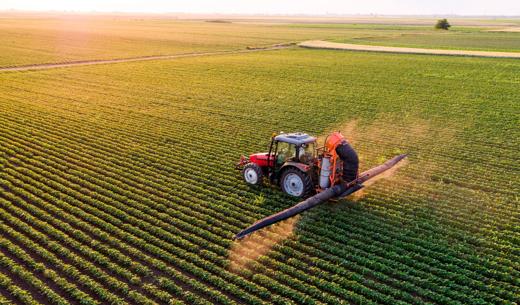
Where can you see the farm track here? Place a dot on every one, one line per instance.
(69, 64)
(320, 44)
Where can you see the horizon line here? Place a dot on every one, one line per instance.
(91, 12)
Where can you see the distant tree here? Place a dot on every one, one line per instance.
(442, 24)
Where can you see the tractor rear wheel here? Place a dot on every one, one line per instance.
(253, 174)
(296, 183)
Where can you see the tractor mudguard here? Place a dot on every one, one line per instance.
(303, 167)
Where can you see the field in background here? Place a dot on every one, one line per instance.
(32, 39)
(117, 182)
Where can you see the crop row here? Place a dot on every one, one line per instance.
(154, 250)
(29, 279)
(100, 89)
(157, 264)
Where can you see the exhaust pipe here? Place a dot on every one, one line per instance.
(340, 190)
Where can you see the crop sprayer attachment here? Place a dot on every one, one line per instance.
(299, 168)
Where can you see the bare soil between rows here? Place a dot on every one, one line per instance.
(513, 29)
(320, 44)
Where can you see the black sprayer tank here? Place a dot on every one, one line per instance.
(350, 159)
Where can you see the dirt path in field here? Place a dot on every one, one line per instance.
(132, 59)
(512, 29)
(320, 44)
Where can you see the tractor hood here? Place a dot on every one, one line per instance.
(261, 159)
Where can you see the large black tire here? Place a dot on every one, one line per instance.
(253, 174)
(296, 183)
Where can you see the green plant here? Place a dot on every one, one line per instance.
(442, 24)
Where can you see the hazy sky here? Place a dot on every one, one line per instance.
(388, 7)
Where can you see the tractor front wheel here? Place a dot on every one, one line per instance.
(253, 174)
(296, 183)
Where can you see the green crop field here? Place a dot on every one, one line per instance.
(32, 40)
(117, 182)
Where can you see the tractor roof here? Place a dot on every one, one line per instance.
(295, 138)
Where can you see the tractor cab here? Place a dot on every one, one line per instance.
(293, 147)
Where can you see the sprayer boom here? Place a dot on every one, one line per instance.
(337, 191)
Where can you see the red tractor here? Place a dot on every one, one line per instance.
(299, 167)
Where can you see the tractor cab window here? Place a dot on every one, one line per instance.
(286, 152)
(306, 152)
